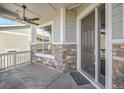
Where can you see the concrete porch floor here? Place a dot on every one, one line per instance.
(32, 76)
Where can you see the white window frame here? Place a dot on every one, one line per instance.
(43, 25)
(46, 24)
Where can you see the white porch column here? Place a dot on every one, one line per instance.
(62, 24)
(33, 34)
(108, 83)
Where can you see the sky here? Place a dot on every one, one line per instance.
(4, 21)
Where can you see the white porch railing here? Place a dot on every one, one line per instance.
(13, 59)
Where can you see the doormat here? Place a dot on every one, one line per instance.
(79, 79)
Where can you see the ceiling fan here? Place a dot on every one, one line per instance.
(28, 20)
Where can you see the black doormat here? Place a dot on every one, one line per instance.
(80, 79)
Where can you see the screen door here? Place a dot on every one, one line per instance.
(88, 44)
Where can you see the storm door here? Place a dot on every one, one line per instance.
(88, 44)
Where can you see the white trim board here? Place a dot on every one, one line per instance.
(62, 24)
(123, 18)
(117, 41)
(14, 33)
(108, 83)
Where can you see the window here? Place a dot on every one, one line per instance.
(44, 39)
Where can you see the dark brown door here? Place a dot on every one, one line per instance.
(88, 44)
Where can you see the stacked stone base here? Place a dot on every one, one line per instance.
(45, 61)
(65, 56)
(118, 66)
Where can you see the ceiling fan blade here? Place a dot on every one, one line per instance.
(32, 22)
(26, 19)
(19, 18)
(33, 19)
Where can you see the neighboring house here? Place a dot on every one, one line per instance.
(88, 38)
(18, 40)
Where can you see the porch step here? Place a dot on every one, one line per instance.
(79, 79)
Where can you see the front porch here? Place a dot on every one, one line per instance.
(64, 38)
(33, 76)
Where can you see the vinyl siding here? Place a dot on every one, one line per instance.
(56, 29)
(117, 21)
(70, 26)
(16, 42)
(13, 41)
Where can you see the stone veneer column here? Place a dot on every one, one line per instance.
(70, 56)
(57, 51)
(118, 66)
(65, 56)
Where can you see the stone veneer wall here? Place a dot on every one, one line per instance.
(70, 57)
(118, 65)
(65, 57)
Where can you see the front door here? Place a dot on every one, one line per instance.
(88, 44)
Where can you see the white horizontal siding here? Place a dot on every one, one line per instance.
(70, 26)
(117, 21)
(56, 29)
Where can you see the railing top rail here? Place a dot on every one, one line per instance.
(23, 52)
(10, 53)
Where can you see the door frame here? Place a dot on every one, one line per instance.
(108, 44)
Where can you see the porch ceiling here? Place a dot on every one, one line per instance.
(42, 9)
